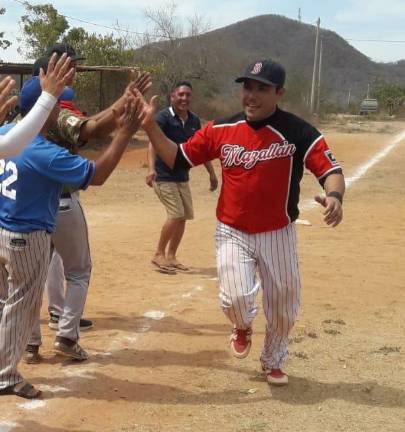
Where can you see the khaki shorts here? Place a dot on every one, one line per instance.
(176, 197)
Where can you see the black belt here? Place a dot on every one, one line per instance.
(66, 195)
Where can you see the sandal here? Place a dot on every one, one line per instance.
(179, 266)
(22, 389)
(164, 268)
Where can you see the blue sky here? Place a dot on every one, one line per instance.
(351, 19)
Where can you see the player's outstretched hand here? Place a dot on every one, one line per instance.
(149, 109)
(6, 103)
(130, 119)
(333, 213)
(139, 84)
(142, 82)
(57, 75)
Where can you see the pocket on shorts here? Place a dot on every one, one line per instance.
(170, 197)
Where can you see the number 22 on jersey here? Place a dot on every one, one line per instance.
(9, 168)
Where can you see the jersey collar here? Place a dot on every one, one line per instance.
(262, 123)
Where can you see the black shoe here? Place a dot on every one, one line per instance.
(31, 354)
(85, 324)
(70, 349)
(54, 323)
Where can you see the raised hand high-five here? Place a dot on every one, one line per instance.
(6, 103)
(57, 75)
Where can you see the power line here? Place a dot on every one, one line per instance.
(24, 3)
(117, 28)
(376, 40)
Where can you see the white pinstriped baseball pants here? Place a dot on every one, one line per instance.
(24, 261)
(269, 259)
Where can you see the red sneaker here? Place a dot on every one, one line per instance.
(274, 376)
(240, 342)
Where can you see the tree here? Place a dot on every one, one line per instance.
(4, 43)
(106, 50)
(42, 27)
(174, 51)
(390, 96)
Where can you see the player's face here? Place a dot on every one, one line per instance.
(181, 99)
(259, 100)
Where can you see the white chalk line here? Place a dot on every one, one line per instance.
(309, 204)
(32, 405)
(194, 291)
(86, 371)
(7, 426)
(145, 326)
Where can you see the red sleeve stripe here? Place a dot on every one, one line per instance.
(228, 124)
(276, 132)
(311, 147)
(325, 174)
(185, 156)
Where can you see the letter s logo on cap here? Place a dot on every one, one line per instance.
(257, 68)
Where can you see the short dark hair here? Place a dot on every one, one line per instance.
(182, 83)
(42, 62)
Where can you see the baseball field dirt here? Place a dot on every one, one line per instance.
(159, 359)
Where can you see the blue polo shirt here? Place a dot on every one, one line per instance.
(179, 132)
(31, 184)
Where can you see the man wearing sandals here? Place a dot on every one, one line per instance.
(178, 123)
(31, 186)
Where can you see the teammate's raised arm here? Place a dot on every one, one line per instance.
(163, 146)
(103, 123)
(128, 121)
(6, 103)
(52, 83)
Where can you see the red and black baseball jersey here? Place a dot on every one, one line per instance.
(262, 166)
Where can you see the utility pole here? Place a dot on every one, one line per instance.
(349, 98)
(318, 24)
(299, 14)
(319, 78)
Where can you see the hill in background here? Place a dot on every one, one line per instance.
(226, 51)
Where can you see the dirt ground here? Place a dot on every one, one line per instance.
(159, 358)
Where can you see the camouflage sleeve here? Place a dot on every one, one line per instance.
(67, 133)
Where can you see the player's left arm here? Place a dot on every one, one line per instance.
(213, 176)
(332, 201)
(320, 160)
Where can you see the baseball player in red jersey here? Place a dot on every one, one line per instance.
(263, 151)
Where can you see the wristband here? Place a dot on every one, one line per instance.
(336, 195)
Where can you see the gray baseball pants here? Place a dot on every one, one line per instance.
(70, 241)
(24, 261)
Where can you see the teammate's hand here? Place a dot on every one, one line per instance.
(213, 182)
(150, 178)
(142, 82)
(333, 213)
(149, 110)
(6, 104)
(57, 75)
(131, 117)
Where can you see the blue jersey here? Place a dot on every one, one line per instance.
(31, 184)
